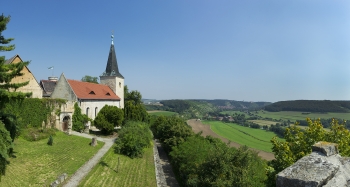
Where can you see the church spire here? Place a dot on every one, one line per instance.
(112, 65)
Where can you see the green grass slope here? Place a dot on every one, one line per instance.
(254, 138)
(130, 173)
(38, 164)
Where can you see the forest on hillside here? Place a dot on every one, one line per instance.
(200, 107)
(310, 106)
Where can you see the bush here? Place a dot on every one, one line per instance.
(133, 138)
(79, 119)
(34, 134)
(208, 161)
(171, 131)
(108, 118)
(50, 142)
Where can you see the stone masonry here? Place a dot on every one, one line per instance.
(323, 167)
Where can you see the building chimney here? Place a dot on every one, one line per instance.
(53, 79)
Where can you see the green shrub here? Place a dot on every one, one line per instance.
(108, 118)
(79, 119)
(34, 134)
(50, 141)
(133, 138)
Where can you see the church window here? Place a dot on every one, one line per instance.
(96, 109)
(120, 84)
(87, 111)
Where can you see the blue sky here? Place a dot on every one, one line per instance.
(192, 49)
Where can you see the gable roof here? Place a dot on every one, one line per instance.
(112, 65)
(48, 87)
(10, 61)
(87, 90)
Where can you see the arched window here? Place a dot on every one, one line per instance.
(96, 110)
(87, 111)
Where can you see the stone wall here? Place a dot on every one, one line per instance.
(323, 167)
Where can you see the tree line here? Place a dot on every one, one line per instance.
(310, 106)
(207, 161)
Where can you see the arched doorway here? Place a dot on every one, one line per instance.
(65, 123)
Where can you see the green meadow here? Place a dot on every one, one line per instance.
(254, 138)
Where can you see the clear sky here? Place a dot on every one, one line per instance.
(192, 49)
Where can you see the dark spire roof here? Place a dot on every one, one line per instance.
(112, 65)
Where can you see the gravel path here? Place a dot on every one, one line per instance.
(197, 126)
(86, 168)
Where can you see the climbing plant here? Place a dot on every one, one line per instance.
(31, 112)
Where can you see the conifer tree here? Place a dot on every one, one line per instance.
(7, 73)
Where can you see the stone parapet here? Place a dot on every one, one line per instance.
(326, 148)
(323, 167)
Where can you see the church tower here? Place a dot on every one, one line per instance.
(112, 77)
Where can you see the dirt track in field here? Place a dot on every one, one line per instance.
(198, 126)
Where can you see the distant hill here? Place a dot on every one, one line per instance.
(310, 106)
(197, 108)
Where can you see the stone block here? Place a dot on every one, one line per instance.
(312, 171)
(62, 177)
(326, 148)
(93, 141)
(54, 184)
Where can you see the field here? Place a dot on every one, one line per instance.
(263, 122)
(255, 138)
(293, 116)
(161, 113)
(38, 164)
(131, 172)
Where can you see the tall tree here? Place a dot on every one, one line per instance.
(88, 78)
(7, 73)
(134, 110)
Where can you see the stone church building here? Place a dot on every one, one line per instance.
(90, 97)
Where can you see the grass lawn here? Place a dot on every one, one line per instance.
(132, 172)
(38, 164)
(293, 116)
(161, 113)
(254, 138)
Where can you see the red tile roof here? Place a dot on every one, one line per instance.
(86, 90)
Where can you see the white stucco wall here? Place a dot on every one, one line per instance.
(95, 105)
(116, 84)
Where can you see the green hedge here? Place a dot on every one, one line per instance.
(31, 112)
